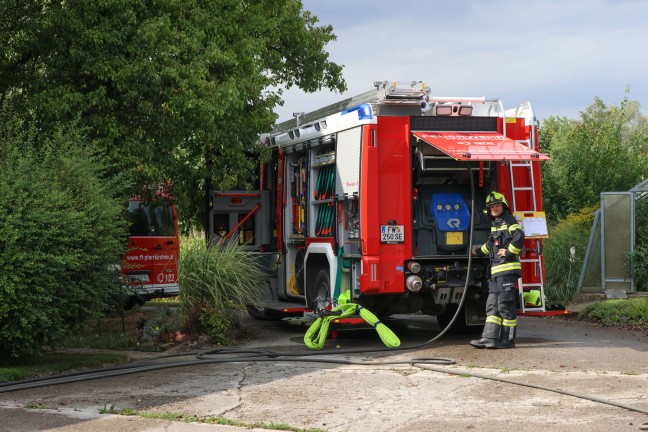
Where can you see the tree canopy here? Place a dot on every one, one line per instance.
(604, 150)
(177, 89)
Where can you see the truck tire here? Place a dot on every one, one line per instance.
(321, 288)
(459, 326)
(262, 314)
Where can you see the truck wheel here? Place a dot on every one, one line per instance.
(321, 288)
(444, 318)
(263, 314)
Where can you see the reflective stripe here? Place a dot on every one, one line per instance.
(503, 227)
(494, 319)
(504, 267)
(515, 227)
(513, 249)
(484, 249)
(509, 323)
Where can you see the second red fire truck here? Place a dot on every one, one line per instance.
(383, 195)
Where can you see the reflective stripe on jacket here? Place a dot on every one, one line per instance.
(507, 234)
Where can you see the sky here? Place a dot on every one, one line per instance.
(557, 54)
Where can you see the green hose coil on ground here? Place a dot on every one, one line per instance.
(318, 331)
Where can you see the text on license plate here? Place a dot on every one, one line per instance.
(392, 233)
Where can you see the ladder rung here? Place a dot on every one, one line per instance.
(521, 188)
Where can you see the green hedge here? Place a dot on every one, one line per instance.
(563, 269)
(61, 233)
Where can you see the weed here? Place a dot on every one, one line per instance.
(112, 410)
(106, 410)
(218, 420)
(36, 406)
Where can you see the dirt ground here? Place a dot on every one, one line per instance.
(485, 390)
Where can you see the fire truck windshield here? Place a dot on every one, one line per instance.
(151, 220)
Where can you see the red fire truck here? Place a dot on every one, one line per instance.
(383, 195)
(150, 266)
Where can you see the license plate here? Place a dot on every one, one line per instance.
(392, 233)
(454, 238)
(138, 278)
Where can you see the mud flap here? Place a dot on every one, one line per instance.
(475, 313)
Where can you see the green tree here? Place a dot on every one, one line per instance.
(180, 89)
(605, 150)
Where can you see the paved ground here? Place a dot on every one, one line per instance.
(570, 356)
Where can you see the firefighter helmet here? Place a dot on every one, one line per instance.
(495, 198)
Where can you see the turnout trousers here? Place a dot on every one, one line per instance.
(501, 318)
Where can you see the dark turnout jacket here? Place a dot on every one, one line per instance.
(507, 234)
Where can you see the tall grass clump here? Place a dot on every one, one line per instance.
(563, 268)
(217, 281)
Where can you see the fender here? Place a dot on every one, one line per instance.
(316, 253)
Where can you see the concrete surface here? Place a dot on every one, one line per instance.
(570, 356)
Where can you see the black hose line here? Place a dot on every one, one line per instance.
(212, 357)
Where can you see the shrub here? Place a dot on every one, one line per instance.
(216, 282)
(637, 261)
(563, 269)
(60, 233)
(619, 311)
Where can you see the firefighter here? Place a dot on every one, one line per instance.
(503, 247)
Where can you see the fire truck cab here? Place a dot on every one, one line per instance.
(383, 195)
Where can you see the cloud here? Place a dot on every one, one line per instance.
(557, 54)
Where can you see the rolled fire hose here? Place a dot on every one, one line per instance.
(318, 331)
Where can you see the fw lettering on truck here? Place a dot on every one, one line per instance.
(379, 194)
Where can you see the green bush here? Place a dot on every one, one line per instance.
(216, 282)
(619, 311)
(61, 232)
(563, 269)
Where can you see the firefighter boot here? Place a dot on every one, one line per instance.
(490, 335)
(507, 338)
(483, 343)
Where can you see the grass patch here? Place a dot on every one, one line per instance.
(618, 311)
(53, 363)
(206, 420)
(36, 406)
(165, 301)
